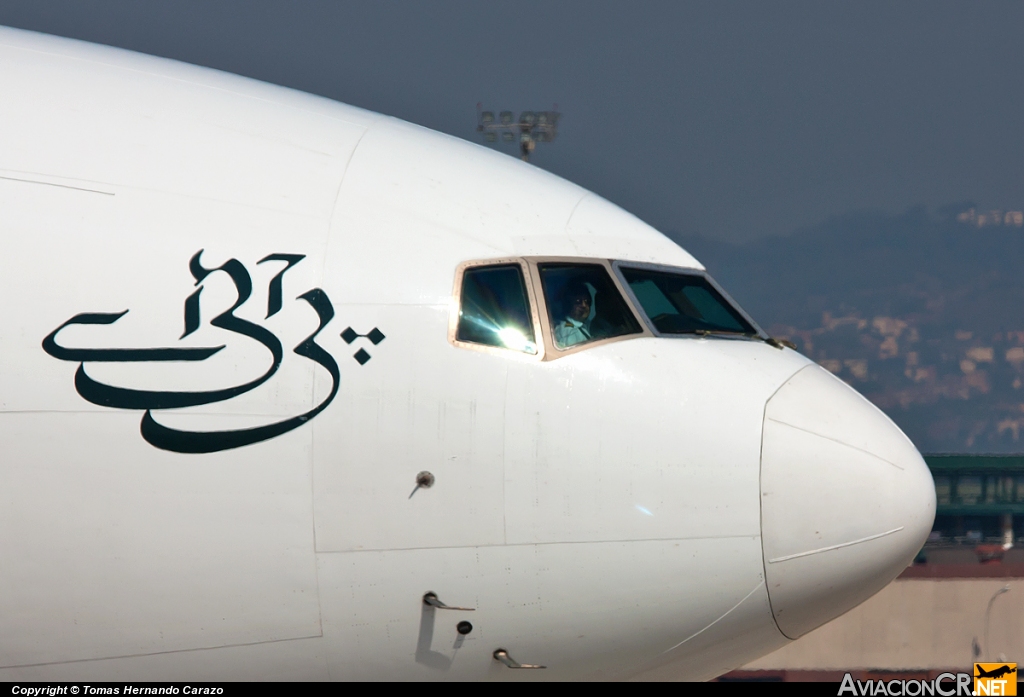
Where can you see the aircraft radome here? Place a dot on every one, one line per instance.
(275, 368)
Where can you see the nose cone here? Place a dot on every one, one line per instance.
(846, 500)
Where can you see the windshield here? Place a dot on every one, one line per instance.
(679, 303)
(495, 310)
(583, 304)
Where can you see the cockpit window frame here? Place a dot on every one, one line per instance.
(456, 305)
(539, 317)
(552, 351)
(618, 264)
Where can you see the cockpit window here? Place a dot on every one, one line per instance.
(495, 309)
(584, 304)
(678, 303)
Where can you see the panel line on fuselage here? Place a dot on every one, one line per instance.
(838, 546)
(722, 617)
(62, 186)
(378, 550)
(813, 433)
(164, 653)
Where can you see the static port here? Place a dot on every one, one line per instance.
(464, 628)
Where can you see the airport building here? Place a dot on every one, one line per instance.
(961, 601)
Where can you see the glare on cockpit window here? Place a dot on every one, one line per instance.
(495, 310)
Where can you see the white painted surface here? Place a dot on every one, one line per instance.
(418, 405)
(549, 604)
(843, 510)
(114, 548)
(613, 443)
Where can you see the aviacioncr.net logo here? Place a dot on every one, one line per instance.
(945, 685)
(995, 679)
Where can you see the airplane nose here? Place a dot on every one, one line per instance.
(846, 500)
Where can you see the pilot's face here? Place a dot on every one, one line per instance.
(579, 310)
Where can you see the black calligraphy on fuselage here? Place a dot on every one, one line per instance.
(150, 401)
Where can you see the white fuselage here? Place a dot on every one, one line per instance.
(650, 507)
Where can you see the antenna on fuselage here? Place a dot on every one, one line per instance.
(530, 128)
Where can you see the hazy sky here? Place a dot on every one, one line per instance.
(731, 119)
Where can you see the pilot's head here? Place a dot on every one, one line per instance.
(577, 302)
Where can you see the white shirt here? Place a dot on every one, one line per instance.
(570, 332)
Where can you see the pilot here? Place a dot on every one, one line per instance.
(575, 328)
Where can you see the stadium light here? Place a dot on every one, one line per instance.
(530, 128)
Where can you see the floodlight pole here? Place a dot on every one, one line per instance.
(530, 128)
(526, 146)
(988, 615)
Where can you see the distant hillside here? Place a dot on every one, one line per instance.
(924, 315)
